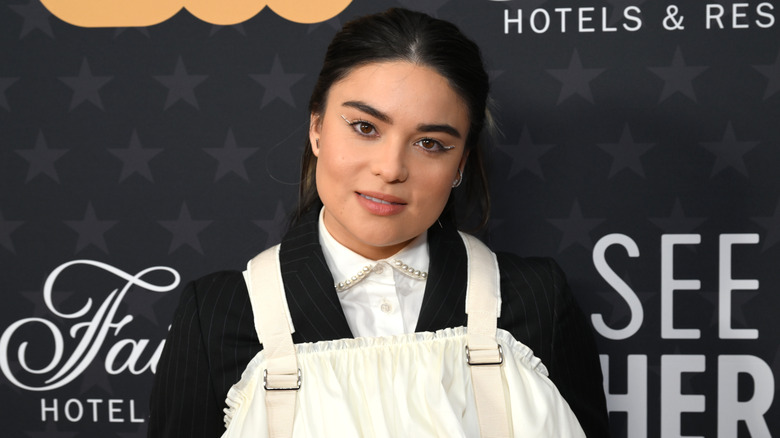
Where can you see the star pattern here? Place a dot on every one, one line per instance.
(185, 230)
(274, 227)
(526, 155)
(85, 86)
(5, 83)
(41, 159)
(231, 158)
(626, 153)
(575, 79)
(277, 84)
(678, 77)
(677, 222)
(772, 226)
(576, 228)
(135, 158)
(181, 85)
(91, 230)
(36, 17)
(729, 152)
(6, 229)
(178, 144)
(772, 73)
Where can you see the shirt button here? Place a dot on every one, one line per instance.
(386, 307)
(379, 269)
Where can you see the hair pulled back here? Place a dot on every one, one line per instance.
(402, 35)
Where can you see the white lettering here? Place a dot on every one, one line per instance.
(585, 19)
(712, 15)
(90, 334)
(673, 401)
(620, 286)
(114, 410)
(563, 12)
(518, 21)
(669, 285)
(730, 409)
(605, 22)
(737, 13)
(52, 409)
(634, 401)
(79, 410)
(761, 10)
(634, 18)
(728, 284)
(545, 20)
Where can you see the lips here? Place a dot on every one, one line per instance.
(382, 198)
(380, 204)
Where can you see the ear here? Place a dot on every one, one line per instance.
(315, 126)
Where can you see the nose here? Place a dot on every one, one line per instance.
(389, 162)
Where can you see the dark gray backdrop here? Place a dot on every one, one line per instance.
(638, 149)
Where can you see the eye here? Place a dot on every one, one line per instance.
(431, 145)
(361, 127)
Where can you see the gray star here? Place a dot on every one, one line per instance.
(91, 230)
(98, 380)
(185, 230)
(277, 84)
(231, 158)
(677, 77)
(85, 86)
(273, 227)
(575, 79)
(772, 226)
(576, 229)
(772, 72)
(526, 154)
(237, 27)
(50, 431)
(41, 159)
(729, 152)
(618, 6)
(6, 229)
(35, 15)
(181, 85)
(135, 159)
(334, 23)
(430, 7)
(626, 153)
(677, 222)
(4, 84)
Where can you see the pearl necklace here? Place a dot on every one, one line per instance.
(398, 265)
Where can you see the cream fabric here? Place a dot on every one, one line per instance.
(414, 385)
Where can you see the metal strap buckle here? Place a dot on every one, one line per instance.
(292, 388)
(500, 357)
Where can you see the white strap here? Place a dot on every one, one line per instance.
(282, 377)
(484, 355)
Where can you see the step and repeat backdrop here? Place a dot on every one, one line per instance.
(144, 144)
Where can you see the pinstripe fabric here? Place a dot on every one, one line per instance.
(212, 337)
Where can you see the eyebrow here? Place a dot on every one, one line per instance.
(368, 109)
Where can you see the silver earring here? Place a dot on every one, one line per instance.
(317, 142)
(459, 179)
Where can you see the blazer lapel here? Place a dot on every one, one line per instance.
(314, 307)
(444, 302)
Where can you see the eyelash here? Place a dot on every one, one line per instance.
(356, 124)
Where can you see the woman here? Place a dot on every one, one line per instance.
(397, 116)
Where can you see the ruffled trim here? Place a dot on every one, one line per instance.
(237, 395)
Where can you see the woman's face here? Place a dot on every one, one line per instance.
(388, 143)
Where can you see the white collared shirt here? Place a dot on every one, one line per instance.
(386, 302)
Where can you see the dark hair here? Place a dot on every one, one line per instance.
(400, 34)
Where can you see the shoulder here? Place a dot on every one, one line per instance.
(218, 295)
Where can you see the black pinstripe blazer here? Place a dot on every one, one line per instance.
(213, 338)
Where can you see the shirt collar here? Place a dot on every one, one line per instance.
(344, 263)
